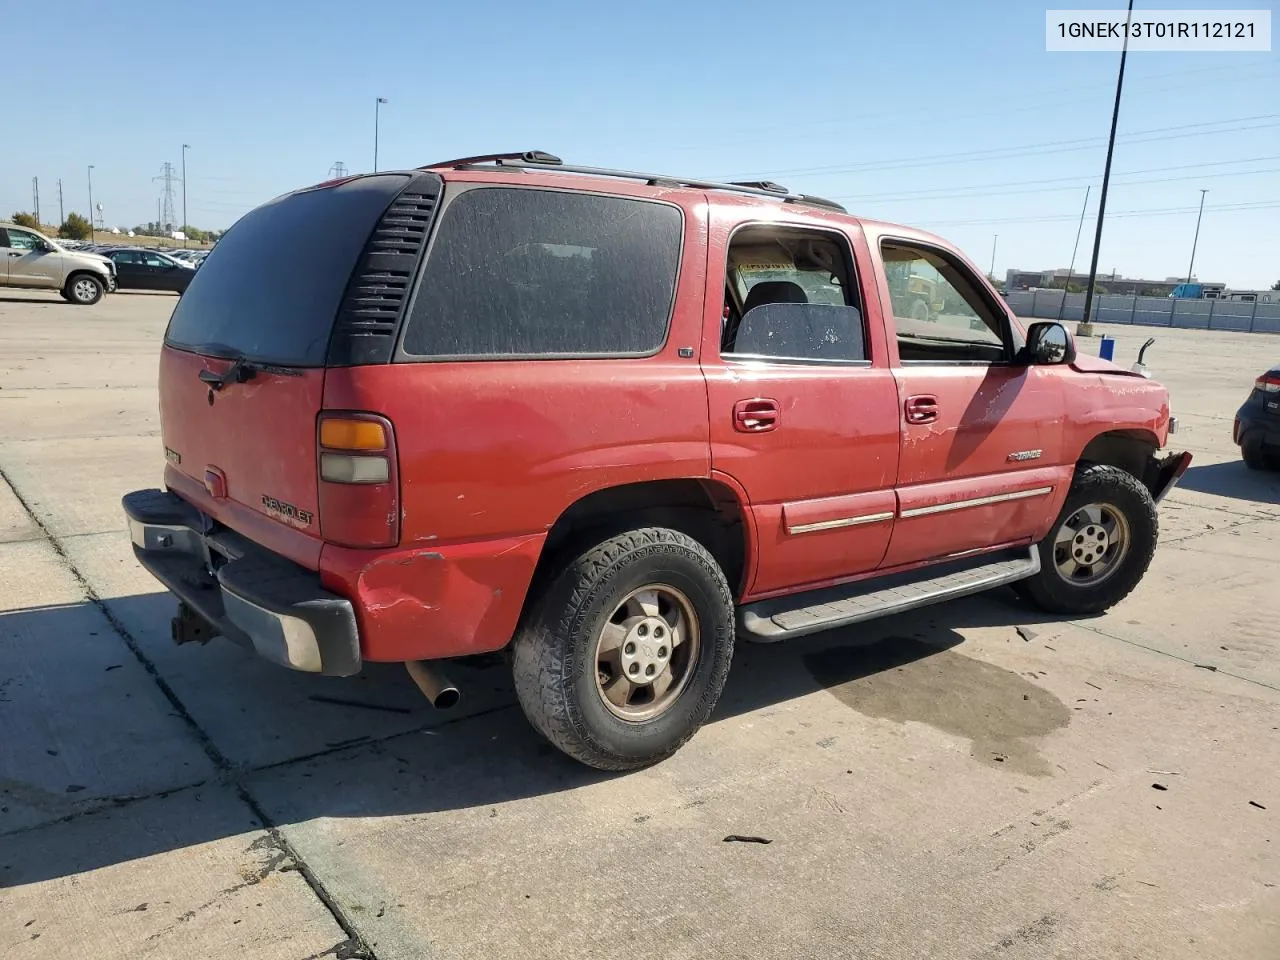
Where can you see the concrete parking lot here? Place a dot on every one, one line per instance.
(973, 780)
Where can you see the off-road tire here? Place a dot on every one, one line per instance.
(554, 653)
(77, 285)
(1098, 483)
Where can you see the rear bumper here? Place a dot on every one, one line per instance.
(244, 591)
(1254, 423)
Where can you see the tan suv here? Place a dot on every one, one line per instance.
(30, 259)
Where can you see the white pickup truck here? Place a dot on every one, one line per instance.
(30, 259)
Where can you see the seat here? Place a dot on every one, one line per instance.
(772, 333)
(773, 291)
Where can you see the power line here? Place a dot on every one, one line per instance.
(1043, 189)
(1242, 207)
(1004, 111)
(943, 193)
(1030, 149)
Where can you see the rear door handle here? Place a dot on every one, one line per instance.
(757, 415)
(922, 409)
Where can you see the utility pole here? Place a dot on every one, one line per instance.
(1086, 328)
(1197, 237)
(1066, 287)
(35, 193)
(62, 217)
(992, 272)
(92, 236)
(377, 106)
(185, 148)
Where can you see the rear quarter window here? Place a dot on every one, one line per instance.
(520, 272)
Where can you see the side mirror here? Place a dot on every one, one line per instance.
(1048, 343)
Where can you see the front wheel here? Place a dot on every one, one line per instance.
(624, 655)
(1101, 544)
(84, 289)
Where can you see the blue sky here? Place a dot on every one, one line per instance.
(946, 115)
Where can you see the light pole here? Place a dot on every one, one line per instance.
(1197, 237)
(92, 237)
(1086, 328)
(185, 148)
(992, 272)
(377, 107)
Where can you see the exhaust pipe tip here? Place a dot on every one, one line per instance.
(435, 686)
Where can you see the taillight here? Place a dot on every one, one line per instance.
(359, 482)
(1268, 383)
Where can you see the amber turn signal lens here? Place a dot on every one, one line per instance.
(339, 434)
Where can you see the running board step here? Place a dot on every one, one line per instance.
(795, 616)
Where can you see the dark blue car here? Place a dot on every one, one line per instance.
(1257, 425)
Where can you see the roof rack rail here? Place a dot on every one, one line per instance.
(538, 159)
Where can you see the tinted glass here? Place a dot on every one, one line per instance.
(271, 288)
(805, 331)
(519, 272)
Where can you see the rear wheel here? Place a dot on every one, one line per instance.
(84, 289)
(623, 656)
(1101, 544)
(1255, 456)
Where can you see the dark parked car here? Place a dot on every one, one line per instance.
(147, 270)
(1257, 425)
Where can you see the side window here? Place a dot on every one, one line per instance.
(939, 314)
(129, 257)
(525, 272)
(790, 296)
(155, 260)
(21, 240)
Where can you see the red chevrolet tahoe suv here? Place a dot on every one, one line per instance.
(611, 422)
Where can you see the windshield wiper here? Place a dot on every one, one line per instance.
(240, 371)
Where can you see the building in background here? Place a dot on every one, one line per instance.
(1108, 283)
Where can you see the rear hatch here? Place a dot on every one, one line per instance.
(243, 365)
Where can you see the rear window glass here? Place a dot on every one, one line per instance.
(522, 272)
(272, 286)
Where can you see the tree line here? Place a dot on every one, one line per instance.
(76, 227)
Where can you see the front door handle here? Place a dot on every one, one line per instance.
(16, 253)
(758, 415)
(922, 409)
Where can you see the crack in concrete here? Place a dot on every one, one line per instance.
(359, 950)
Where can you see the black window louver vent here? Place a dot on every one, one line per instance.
(365, 330)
